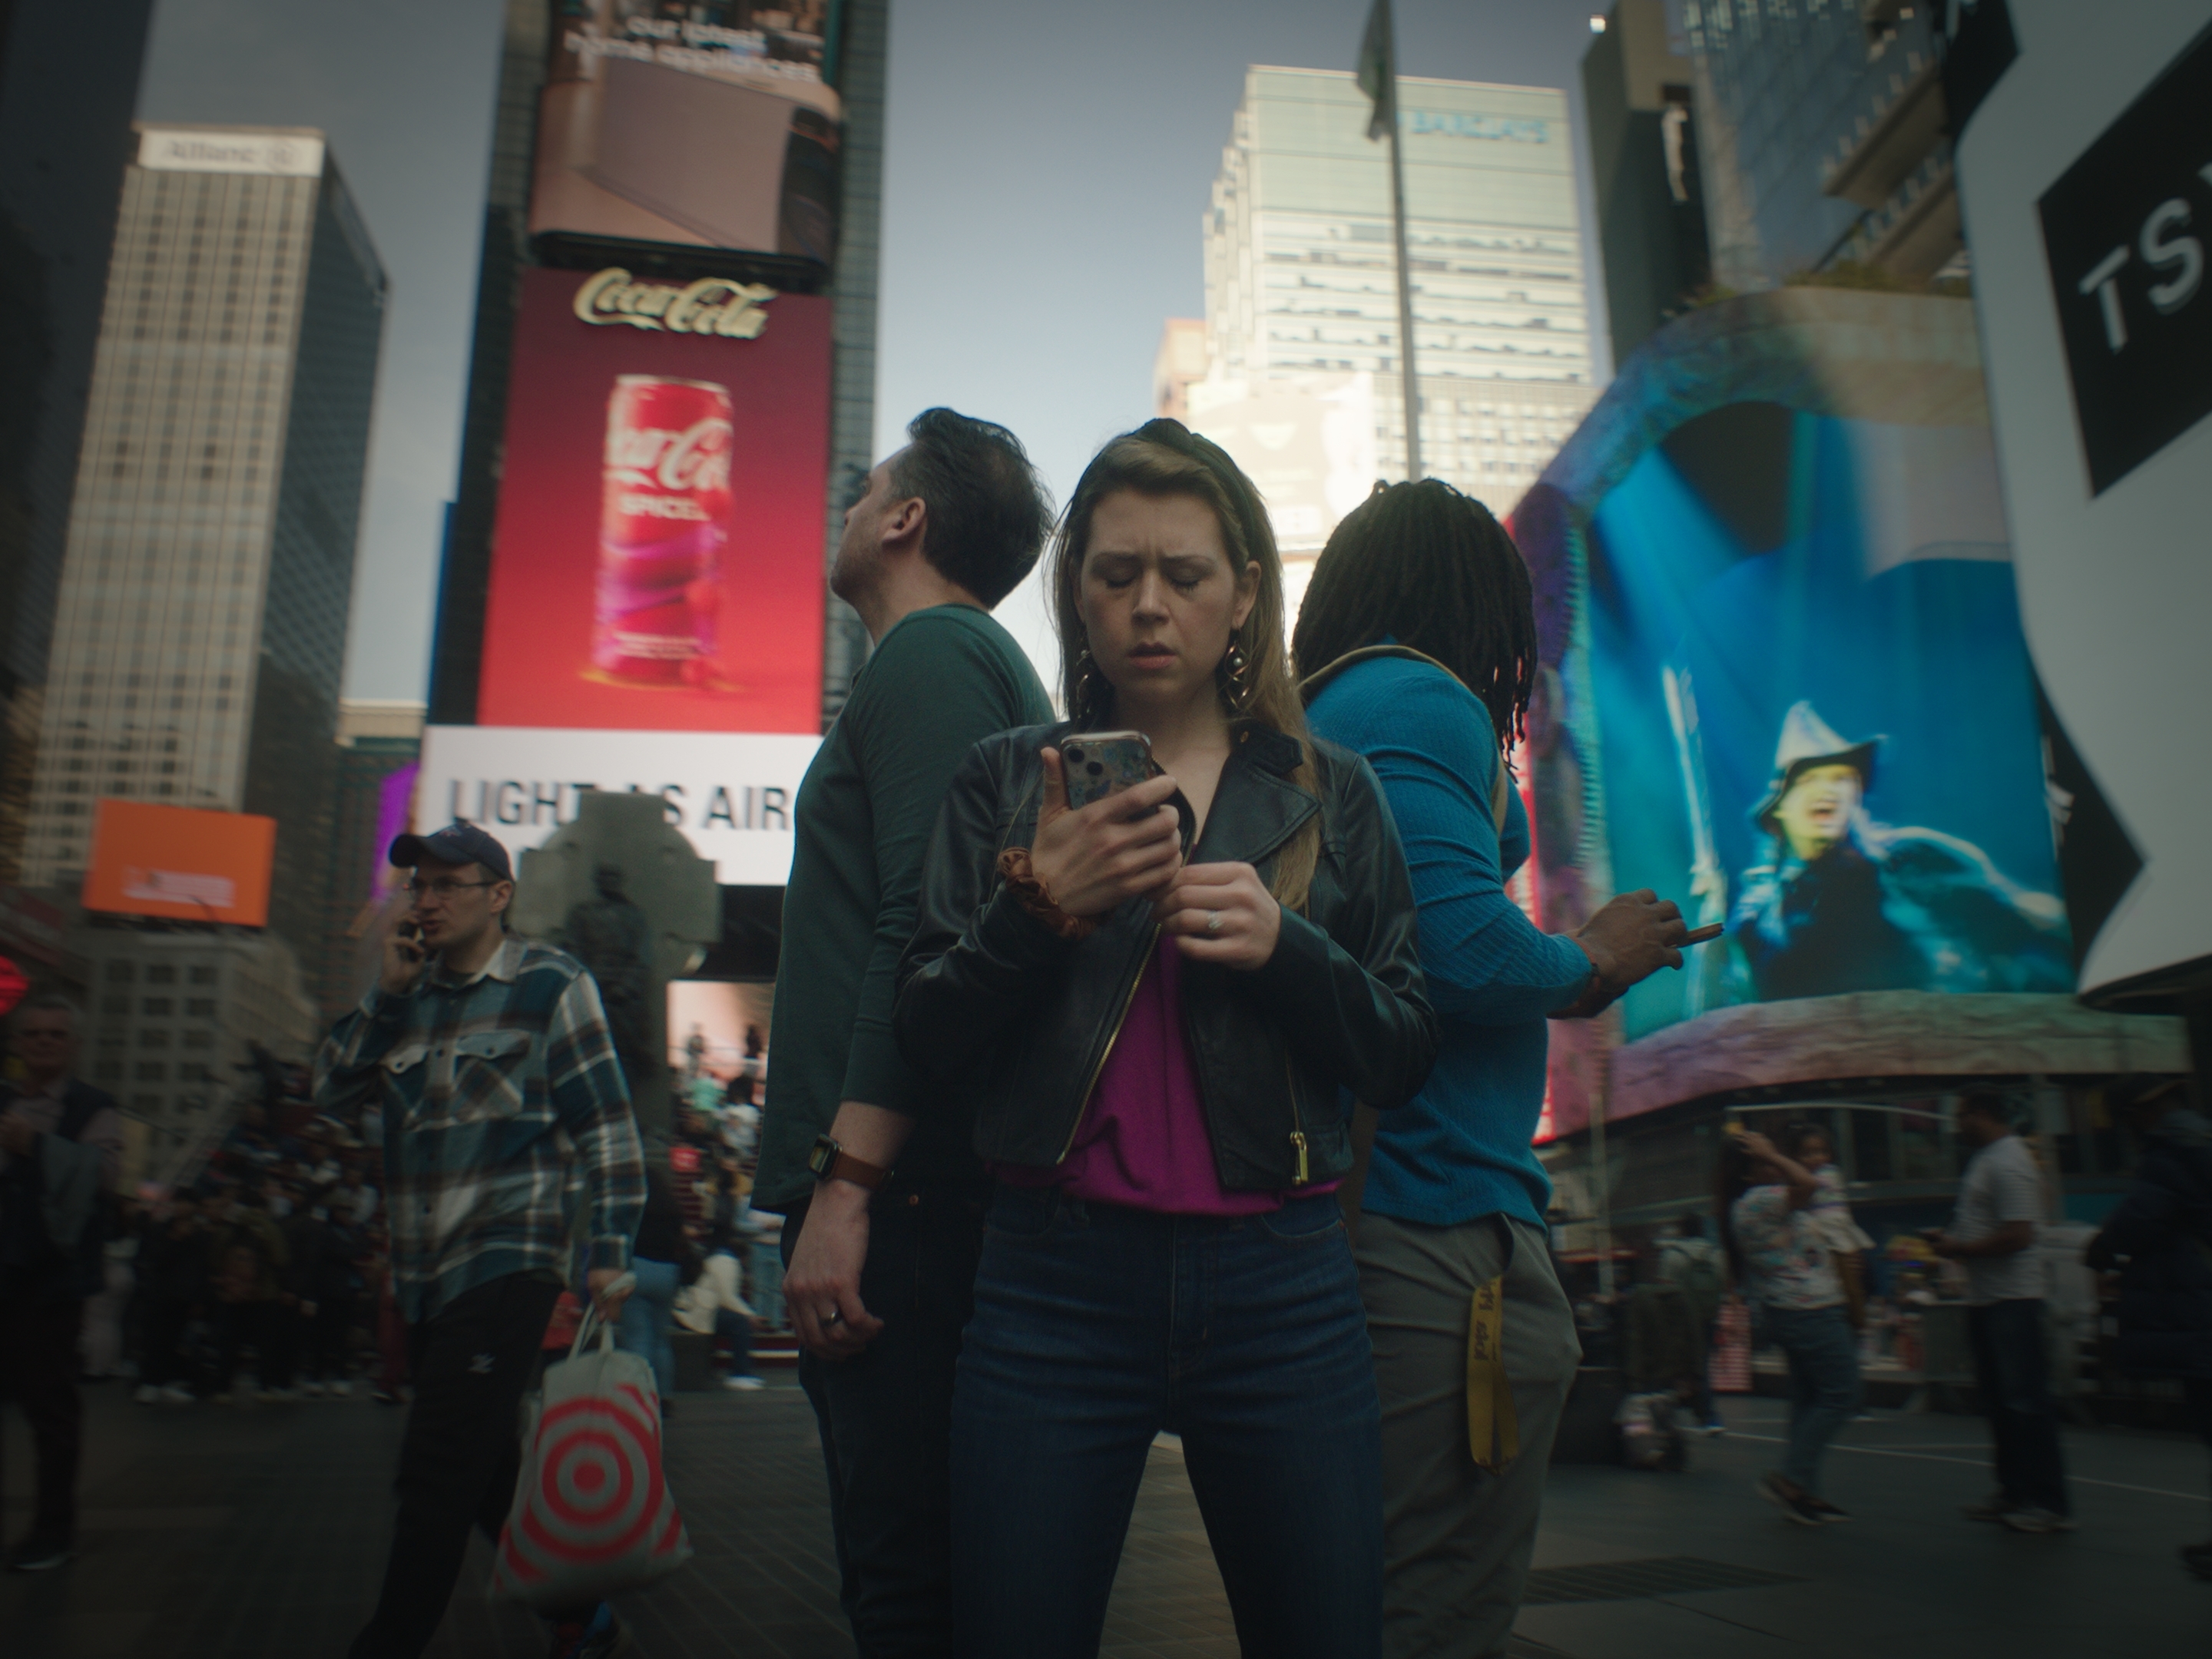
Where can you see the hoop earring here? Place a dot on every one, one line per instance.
(1085, 699)
(1235, 677)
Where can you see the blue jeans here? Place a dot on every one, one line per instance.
(1824, 1384)
(2011, 1376)
(1097, 1327)
(646, 1317)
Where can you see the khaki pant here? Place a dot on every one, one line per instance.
(1457, 1539)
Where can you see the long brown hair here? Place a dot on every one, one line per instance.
(1163, 458)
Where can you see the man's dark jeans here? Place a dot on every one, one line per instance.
(38, 1366)
(2012, 1373)
(885, 1419)
(463, 1449)
(1096, 1328)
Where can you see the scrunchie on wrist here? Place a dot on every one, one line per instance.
(1034, 896)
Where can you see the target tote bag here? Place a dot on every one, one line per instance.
(592, 1516)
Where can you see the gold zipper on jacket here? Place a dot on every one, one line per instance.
(1301, 1173)
(1127, 998)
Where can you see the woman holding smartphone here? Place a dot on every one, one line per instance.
(1154, 1002)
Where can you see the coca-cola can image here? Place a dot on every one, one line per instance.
(664, 521)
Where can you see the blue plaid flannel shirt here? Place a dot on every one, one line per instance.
(501, 1101)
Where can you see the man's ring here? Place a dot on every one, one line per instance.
(1213, 921)
(834, 1316)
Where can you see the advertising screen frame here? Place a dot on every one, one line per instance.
(586, 516)
(182, 862)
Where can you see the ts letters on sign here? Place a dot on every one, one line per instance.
(2124, 230)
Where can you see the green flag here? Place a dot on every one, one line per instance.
(1378, 71)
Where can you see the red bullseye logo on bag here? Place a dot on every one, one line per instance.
(664, 521)
(596, 1511)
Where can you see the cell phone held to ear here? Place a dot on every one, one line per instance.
(1101, 763)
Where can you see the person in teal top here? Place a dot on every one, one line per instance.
(1418, 641)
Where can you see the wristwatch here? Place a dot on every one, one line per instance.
(831, 1162)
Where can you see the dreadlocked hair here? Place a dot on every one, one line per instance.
(1424, 565)
(1163, 457)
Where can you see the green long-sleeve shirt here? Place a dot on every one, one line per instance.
(942, 680)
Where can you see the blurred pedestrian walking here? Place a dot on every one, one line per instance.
(2159, 1239)
(1418, 642)
(1698, 1267)
(1782, 1259)
(664, 1260)
(505, 1120)
(885, 1198)
(1992, 1235)
(61, 1156)
(173, 1284)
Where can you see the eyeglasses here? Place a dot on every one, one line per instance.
(445, 887)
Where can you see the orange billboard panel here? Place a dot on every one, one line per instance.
(179, 861)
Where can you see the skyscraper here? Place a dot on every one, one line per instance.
(1301, 279)
(1823, 139)
(1643, 154)
(69, 76)
(200, 628)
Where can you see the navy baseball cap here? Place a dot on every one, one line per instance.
(457, 843)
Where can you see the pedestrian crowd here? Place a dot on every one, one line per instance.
(1169, 1067)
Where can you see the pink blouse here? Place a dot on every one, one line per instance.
(1142, 1141)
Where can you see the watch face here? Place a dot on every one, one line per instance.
(824, 1155)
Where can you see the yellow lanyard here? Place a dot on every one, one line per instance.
(1493, 1432)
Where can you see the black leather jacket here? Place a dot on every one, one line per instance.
(990, 997)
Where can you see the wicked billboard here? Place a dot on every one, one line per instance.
(1783, 684)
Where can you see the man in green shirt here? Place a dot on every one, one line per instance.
(883, 1190)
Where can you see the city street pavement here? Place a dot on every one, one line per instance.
(259, 1533)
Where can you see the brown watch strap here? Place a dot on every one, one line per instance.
(858, 1170)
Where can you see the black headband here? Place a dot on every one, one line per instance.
(1244, 502)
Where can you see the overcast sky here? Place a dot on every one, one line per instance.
(1047, 164)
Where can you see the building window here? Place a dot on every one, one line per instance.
(149, 1105)
(157, 1007)
(115, 1004)
(150, 1071)
(161, 973)
(153, 1039)
(109, 1071)
(201, 1007)
(194, 1039)
(192, 1071)
(200, 973)
(119, 973)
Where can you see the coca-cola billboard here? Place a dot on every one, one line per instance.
(657, 560)
(718, 129)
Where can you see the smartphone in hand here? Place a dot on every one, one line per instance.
(1102, 763)
(410, 938)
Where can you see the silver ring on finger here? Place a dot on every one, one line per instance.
(1213, 921)
(834, 1316)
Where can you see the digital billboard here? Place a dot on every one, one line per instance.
(1809, 682)
(657, 555)
(178, 861)
(716, 129)
(1783, 682)
(731, 793)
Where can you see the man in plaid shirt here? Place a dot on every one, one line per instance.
(485, 1059)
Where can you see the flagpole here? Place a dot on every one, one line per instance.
(1411, 393)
